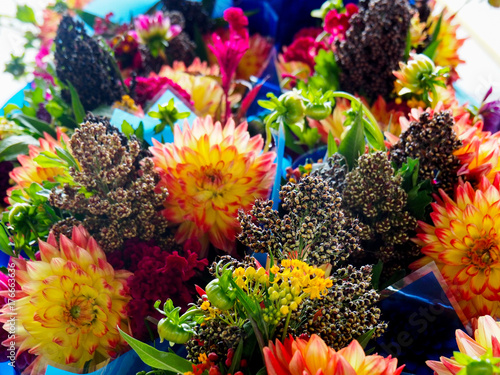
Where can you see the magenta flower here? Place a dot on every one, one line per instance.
(155, 31)
(490, 112)
(229, 53)
(337, 23)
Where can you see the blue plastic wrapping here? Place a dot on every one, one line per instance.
(126, 364)
(280, 146)
(423, 317)
(124, 12)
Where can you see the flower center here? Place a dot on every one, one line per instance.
(79, 311)
(75, 312)
(484, 252)
(212, 180)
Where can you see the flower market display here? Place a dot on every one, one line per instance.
(235, 188)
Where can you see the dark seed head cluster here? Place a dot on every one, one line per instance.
(345, 313)
(113, 191)
(314, 228)
(373, 47)
(88, 67)
(432, 141)
(373, 194)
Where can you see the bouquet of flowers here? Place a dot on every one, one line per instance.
(259, 202)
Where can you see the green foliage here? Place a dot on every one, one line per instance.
(328, 6)
(168, 115)
(25, 14)
(353, 144)
(16, 66)
(155, 358)
(419, 193)
(430, 50)
(15, 145)
(78, 110)
(326, 72)
(29, 218)
(332, 145)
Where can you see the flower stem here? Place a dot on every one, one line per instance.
(287, 322)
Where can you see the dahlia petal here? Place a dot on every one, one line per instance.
(53, 295)
(297, 364)
(461, 277)
(47, 251)
(453, 257)
(479, 282)
(468, 346)
(451, 365)
(487, 330)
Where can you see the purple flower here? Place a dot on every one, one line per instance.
(155, 27)
(490, 112)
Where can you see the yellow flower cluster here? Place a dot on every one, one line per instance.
(284, 287)
(126, 104)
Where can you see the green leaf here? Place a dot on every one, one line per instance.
(438, 27)
(4, 241)
(54, 109)
(418, 199)
(267, 104)
(139, 132)
(408, 45)
(431, 49)
(36, 126)
(155, 358)
(78, 109)
(9, 108)
(236, 357)
(332, 145)
(365, 337)
(25, 14)
(376, 272)
(127, 129)
(14, 145)
(67, 157)
(353, 144)
(87, 17)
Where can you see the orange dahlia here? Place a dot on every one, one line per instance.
(30, 171)
(210, 174)
(447, 50)
(465, 244)
(480, 153)
(314, 357)
(70, 304)
(480, 353)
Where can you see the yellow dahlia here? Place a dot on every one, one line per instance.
(480, 353)
(210, 174)
(314, 357)
(30, 171)
(70, 304)
(465, 244)
(205, 91)
(447, 50)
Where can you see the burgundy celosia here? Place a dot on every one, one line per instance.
(158, 275)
